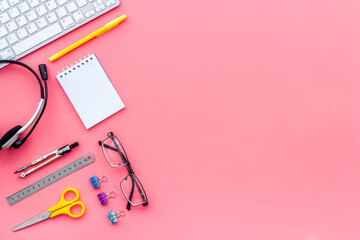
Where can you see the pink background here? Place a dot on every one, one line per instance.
(241, 120)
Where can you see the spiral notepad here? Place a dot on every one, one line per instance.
(90, 91)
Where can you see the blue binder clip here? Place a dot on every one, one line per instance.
(95, 181)
(113, 216)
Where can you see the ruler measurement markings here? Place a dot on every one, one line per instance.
(50, 179)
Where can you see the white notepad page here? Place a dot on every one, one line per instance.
(90, 91)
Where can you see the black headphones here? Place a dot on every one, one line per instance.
(12, 137)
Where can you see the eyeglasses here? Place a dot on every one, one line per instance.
(130, 186)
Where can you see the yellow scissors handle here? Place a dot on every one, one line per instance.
(64, 206)
(67, 210)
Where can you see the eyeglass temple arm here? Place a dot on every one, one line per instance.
(114, 149)
(141, 193)
(107, 146)
(128, 206)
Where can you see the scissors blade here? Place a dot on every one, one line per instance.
(33, 220)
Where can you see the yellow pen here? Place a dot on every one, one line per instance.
(97, 33)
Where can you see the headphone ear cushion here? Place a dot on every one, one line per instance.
(9, 135)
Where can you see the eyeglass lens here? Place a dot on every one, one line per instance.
(114, 152)
(133, 190)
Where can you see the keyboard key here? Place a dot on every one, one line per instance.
(14, 12)
(12, 38)
(4, 17)
(21, 21)
(41, 10)
(7, 54)
(3, 44)
(37, 38)
(81, 3)
(51, 17)
(3, 31)
(24, 7)
(11, 26)
(71, 7)
(34, 3)
(61, 12)
(97, 3)
(51, 5)
(67, 22)
(61, 2)
(78, 16)
(22, 33)
(14, 2)
(41, 22)
(100, 8)
(3, 5)
(31, 28)
(109, 3)
(89, 13)
(31, 15)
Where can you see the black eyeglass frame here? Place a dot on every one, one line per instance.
(131, 174)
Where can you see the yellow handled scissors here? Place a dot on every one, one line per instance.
(63, 207)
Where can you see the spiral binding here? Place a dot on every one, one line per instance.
(73, 67)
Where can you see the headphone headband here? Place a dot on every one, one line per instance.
(11, 137)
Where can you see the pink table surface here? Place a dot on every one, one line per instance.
(241, 120)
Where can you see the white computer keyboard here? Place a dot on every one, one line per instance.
(26, 25)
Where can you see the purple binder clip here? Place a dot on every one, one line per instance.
(103, 197)
(113, 216)
(95, 181)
